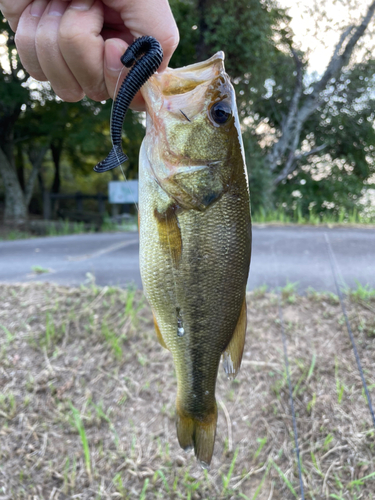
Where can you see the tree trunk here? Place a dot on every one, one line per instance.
(201, 48)
(56, 149)
(36, 157)
(20, 167)
(15, 204)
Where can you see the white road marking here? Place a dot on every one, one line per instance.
(109, 249)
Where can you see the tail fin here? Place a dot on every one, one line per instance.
(113, 160)
(197, 434)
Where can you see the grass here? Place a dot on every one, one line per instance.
(226, 478)
(278, 216)
(87, 401)
(66, 227)
(39, 269)
(130, 224)
(289, 291)
(14, 234)
(77, 422)
(285, 479)
(283, 216)
(362, 293)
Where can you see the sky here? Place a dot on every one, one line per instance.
(321, 45)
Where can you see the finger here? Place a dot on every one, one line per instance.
(50, 58)
(150, 17)
(13, 10)
(25, 38)
(82, 46)
(115, 72)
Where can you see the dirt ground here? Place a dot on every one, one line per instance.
(87, 401)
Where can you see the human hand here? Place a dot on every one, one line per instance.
(77, 44)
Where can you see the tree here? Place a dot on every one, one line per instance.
(285, 155)
(343, 129)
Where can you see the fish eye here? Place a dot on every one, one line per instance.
(221, 112)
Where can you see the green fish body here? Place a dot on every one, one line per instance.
(195, 236)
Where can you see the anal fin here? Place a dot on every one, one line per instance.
(232, 356)
(158, 333)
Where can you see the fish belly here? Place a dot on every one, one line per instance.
(194, 267)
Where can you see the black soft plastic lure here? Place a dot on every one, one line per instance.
(143, 68)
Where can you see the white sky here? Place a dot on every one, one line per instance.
(339, 14)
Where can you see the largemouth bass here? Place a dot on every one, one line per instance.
(195, 235)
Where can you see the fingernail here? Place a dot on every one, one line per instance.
(81, 5)
(113, 59)
(57, 8)
(37, 8)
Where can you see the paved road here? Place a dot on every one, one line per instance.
(280, 254)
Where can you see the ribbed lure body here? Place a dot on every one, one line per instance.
(143, 68)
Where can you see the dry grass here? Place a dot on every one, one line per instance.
(87, 401)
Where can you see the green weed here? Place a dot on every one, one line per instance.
(361, 293)
(103, 416)
(262, 442)
(317, 468)
(288, 216)
(9, 336)
(260, 291)
(117, 481)
(328, 440)
(340, 387)
(77, 422)
(39, 269)
(285, 479)
(226, 478)
(360, 482)
(144, 489)
(130, 224)
(311, 403)
(288, 292)
(161, 474)
(15, 235)
(113, 340)
(258, 490)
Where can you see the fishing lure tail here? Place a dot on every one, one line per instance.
(198, 434)
(114, 159)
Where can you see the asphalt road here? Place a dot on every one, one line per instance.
(280, 254)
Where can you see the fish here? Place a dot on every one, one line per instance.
(195, 236)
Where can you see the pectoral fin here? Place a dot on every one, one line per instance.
(158, 333)
(232, 355)
(169, 233)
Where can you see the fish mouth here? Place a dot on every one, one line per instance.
(203, 65)
(182, 80)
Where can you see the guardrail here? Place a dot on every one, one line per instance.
(50, 198)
